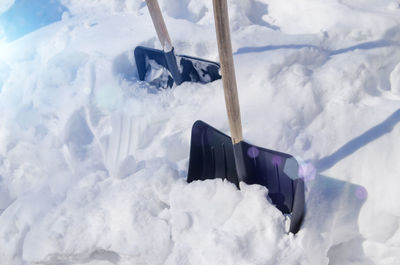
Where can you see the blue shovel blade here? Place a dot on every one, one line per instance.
(180, 68)
(212, 156)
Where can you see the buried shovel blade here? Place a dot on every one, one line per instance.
(212, 156)
(180, 68)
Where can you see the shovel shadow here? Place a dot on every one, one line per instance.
(362, 46)
(355, 144)
(333, 208)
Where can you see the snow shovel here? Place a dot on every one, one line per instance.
(163, 67)
(216, 155)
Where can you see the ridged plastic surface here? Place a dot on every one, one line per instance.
(212, 156)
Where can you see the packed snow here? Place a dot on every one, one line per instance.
(93, 162)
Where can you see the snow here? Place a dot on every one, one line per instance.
(5, 5)
(93, 162)
(156, 72)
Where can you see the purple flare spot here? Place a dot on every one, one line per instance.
(307, 171)
(276, 160)
(253, 152)
(361, 193)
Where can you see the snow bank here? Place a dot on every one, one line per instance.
(93, 162)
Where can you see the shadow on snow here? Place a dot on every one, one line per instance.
(355, 144)
(362, 46)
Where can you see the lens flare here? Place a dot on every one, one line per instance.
(253, 152)
(361, 193)
(276, 160)
(307, 171)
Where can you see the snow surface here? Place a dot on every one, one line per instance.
(5, 5)
(93, 162)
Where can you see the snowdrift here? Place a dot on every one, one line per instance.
(93, 162)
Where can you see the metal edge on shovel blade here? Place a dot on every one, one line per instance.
(211, 156)
(190, 68)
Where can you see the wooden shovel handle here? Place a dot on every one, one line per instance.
(159, 24)
(227, 69)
